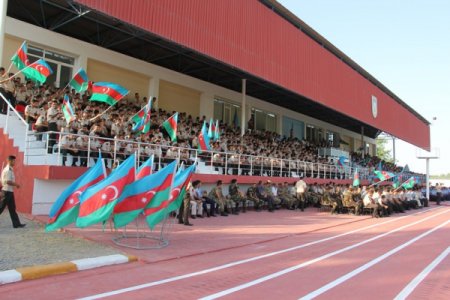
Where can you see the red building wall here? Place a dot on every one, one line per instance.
(248, 35)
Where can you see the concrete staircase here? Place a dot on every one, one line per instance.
(35, 152)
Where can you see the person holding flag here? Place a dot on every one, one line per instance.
(170, 125)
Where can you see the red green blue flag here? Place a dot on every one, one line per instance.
(211, 129)
(145, 169)
(137, 195)
(356, 178)
(180, 184)
(69, 113)
(156, 209)
(65, 209)
(384, 175)
(217, 131)
(107, 92)
(170, 125)
(20, 58)
(38, 71)
(80, 81)
(409, 184)
(142, 125)
(203, 139)
(97, 202)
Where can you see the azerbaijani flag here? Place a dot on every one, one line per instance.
(384, 175)
(142, 124)
(203, 139)
(65, 209)
(80, 81)
(145, 169)
(170, 125)
(137, 195)
(156, 209)
(107, 92)
(211, 129)
(180, 184)
(38, 71)
(409, 184)
(380, 166)
(67, 109)
(341, 162)
(217, 132)
(20, 58)
(356, 178)
(97, 202)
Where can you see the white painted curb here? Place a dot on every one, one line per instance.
(90, 263)
(34, 272)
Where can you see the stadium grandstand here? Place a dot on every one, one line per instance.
(278, 101)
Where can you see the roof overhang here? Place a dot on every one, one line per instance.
(79, 20)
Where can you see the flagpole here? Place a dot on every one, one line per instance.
(401, 185)
(101, 114)
(9, 68)
(14, 75)
(376, 183)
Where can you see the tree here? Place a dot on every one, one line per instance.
(382, 151)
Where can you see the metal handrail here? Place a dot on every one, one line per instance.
(236, 163)
(20, 118)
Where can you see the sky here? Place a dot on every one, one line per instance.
(405, 44)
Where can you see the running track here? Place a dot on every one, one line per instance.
(403, 256)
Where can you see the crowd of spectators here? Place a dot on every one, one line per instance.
(269, 153)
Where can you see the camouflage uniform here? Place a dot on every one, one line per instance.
(223, 203)
(288, 200)
(236, 196)
(251, 196)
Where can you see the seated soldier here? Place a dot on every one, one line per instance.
(225, 205)
(251, 196)
(272, 191)
(369, 202)
(237, 196)
(264, 196)
(283, 194)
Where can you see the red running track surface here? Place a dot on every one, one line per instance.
(285, 255)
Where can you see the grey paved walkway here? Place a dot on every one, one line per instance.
(30, 246)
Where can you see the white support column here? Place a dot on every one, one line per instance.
(243, 105)
(206, 105)
(82, 62)
(3, 8)
(153, 91)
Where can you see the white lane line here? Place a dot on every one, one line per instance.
(239, 262)
(310, 262)
(416, 281)
(370, 264)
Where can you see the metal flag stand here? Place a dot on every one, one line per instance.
(142, 239)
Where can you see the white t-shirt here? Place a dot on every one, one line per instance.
(300, 186)
(7, 175)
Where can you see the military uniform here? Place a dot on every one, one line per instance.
(251, 196)
(236, 197)
(224, 204)
(287, 199)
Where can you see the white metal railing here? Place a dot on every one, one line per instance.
(12, 109)
(218, 162)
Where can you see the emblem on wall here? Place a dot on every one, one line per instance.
(374, 106)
